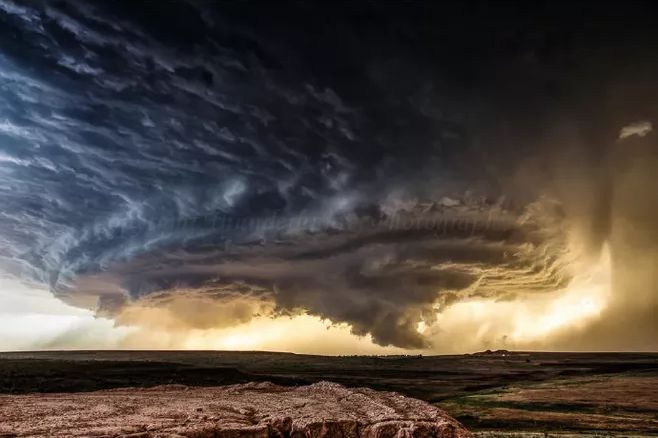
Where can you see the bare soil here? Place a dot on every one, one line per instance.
(260, 410)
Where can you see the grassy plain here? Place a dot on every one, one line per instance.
(504, 394)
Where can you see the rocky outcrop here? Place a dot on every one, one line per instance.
(254, 410)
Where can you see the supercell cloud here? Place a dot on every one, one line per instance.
(197, 165)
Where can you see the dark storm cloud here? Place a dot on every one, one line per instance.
(129, 128)
(381, 277)
(105, 126)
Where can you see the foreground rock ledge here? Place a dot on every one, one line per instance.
(254, 410)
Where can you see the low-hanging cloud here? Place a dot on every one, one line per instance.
(381, 277)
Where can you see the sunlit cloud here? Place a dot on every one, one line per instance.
(641, 129)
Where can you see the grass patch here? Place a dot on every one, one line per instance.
(482, 401)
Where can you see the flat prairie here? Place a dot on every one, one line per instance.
(495, 394)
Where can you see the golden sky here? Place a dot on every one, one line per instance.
(39, 321)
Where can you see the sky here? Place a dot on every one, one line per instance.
(33, 319)
(370, 178)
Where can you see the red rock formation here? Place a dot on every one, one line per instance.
(255, 410)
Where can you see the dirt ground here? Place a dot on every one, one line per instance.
(500, 392)
(253, 410)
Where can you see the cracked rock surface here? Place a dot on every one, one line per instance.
(254, 410)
